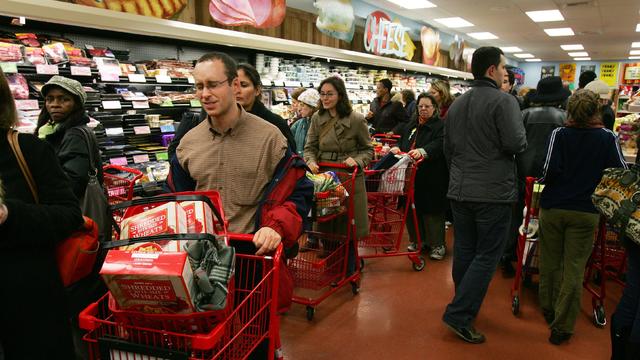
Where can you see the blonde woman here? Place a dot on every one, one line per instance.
(441, 91)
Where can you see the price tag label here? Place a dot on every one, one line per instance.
(167, 128)
(162, 156)
(167, 103)
(316, 84)
(266, 82)
(278, 83)
(141, 130)
(163, 79)
(137, 78)
(137, 159)
(140, 104)
(195, 103)
(111, 104)
(121, 161)
(109, 76)
(291, 84)
(9, 68)
(114, 131)
(191, 80)
(27, 105)
(80, 71)
(47, 69)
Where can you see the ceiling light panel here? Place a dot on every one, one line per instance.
(511, 49)
(533, 60)
(524, 56)
(582, 59)
(545, 15)
(559, 32)
(483, 36)
(634, 52)
(413, 4)
(634, 57)
(579, 54)
(572, 47)
(454, 22)
(635, 44)
(638, 28)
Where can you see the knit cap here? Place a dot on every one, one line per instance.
(72, 86)
(310, 97)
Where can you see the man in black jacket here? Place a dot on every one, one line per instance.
(483, 132)
(386, 116)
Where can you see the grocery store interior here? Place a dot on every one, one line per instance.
(135, 62)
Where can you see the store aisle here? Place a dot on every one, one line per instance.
(397, 315)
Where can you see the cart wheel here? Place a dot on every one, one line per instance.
(387, 249)
(515, 305)
(310, 312)
(599, 316)
(355, 288)
(361, 264)
(419, 266)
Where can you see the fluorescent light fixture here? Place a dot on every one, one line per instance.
(533, 60)
(482, 36)
(582, 59)
(579, 54)
(634, 57)
(559, 32)
(545, 15)
(454, 22)
(511, 49)
(572, 47)
(413, 4)
(635, 44)
(638, 28)
(634, 52)
(524, 56)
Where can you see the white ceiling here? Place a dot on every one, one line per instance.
(606, 28)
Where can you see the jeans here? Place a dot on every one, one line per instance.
(480, 233)
(625, 322)
(566, 241)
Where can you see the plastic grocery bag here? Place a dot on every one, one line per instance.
(392, 180)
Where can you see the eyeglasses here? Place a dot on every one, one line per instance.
(329, 94)
(211, 85)
(425, 106)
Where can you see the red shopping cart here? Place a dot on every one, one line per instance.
(321, 271)
(390, 197)
(119, 182)
(607, 262)
(527, 250)
(391, 140)
(251, 325)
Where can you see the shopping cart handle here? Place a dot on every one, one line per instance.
(240, 237)
(353, 169)
(165, 237)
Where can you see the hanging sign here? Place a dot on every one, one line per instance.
(631, 74)
(609, 73)
(385, 37)
(336, 18)
(430, 39)
(568, 72)
(547, 71)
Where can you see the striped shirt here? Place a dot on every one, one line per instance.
(239, 164)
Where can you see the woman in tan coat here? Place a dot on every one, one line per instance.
(338, 134)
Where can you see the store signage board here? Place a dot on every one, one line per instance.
(121, 161)
(632, 73)
(114, 131)
(137, 159)
(609, 73)
(137, 78)
(384, 37)
(111, 104)
(163, 79)
(47, 69)
(141, 130)
(167, 128)
(80, 71)
(27, 105)
(9, 68)
(140, 104)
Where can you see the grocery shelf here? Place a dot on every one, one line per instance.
(79, 15)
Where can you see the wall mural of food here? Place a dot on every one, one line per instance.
(165, 9)
(257, 13)
(336, 18)
(430, 39)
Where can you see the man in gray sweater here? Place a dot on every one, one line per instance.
(483, 132)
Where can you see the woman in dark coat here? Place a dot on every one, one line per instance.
(423, 139)
(34, 321)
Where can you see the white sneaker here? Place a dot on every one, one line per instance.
(438, 253)
(412, 247)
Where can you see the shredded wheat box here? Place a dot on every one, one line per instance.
(150, 282)
(168, 219)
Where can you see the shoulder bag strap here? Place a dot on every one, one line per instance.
(90, 147)
(12, 137)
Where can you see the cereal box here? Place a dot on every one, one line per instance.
(199, 217)
(157, 282)
(169, 218)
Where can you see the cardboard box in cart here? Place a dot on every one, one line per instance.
(150, 282)
(199, 217)
(169, 218)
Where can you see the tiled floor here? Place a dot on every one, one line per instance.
(397, 316)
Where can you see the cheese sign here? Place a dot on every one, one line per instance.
(383, 36)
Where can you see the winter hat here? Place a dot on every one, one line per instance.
(599, 87)
(72, 86)
(310, 97)
(550, 90)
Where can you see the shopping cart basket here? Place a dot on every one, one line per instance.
(119, 182)
(390, 197)
(391, 140)
(321, 272)
(607, 262)
(252, 323)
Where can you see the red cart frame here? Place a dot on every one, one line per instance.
(391, 199)
(253, 321)
(327, 275)
(119, 188)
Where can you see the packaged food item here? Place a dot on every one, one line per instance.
(18, 86)
(10, 52)
(199, 217)
(55, 53)
(34, 55)
(156, 283)
(28, 39)
(167, 219)
(99, 52)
